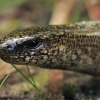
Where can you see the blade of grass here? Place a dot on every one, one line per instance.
(39, 97)
(23, 75)
(31, 76)
(4, 80)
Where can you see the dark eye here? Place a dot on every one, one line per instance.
(33, 44)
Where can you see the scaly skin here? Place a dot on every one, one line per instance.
(73, 47)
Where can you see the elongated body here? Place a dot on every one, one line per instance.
(73, 47)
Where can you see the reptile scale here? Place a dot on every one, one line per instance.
(73, 47)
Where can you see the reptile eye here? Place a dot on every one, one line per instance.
(33, 44)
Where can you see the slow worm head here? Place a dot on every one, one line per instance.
(73, 47)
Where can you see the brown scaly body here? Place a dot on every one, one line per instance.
(73, 47)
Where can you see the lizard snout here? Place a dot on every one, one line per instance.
(3, 52)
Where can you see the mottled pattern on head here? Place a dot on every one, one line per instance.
(70, 47)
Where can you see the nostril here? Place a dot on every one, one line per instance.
(2, 50)
(9, 46)
(3, 53)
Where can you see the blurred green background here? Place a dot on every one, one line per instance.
(23, 13)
